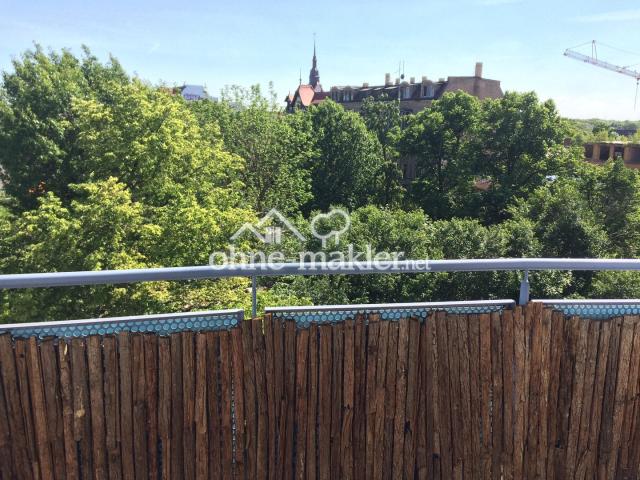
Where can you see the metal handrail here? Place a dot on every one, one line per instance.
(101, 277)
(253, 271)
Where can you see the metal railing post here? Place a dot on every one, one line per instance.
(254, 296)
(524, 289)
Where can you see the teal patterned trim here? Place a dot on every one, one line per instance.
(595, 309)
(164, 324)
(304, 316)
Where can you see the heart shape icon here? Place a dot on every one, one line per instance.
(333, 233)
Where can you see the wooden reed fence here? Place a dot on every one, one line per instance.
(526, 393)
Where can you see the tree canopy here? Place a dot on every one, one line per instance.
(101, 170)
(347, 158)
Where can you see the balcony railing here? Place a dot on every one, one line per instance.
(256, 270)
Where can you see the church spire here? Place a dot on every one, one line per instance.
(315, 60)
(314, 75)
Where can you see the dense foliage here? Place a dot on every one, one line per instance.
(103, 171)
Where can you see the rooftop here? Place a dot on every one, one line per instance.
(423, 90)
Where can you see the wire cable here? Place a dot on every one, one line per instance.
(622, 50)
(581, 45)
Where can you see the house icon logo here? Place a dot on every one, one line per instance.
(269, 225)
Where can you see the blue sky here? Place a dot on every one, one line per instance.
(247, 42)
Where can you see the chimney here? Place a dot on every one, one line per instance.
(387, 79)
(424, 78)
(412, 80)
(365, 85)
(479, 69)
(397, 81)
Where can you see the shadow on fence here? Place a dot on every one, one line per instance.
(522, 392)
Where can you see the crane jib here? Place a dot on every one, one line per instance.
(602, 64)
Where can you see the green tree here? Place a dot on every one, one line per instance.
(564, 223)
(102, 229)
(602, 130)
(382, 117)
(39, 151)
(66, 121)
(190, 229)
(615, 285)
(152, 142)
(616, 202)
(276, 148)
(443, 139)
(378, 230)
(347, 163)
(517, 135)
(468, 238)
(578, 131)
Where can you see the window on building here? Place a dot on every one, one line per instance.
(428, 91)
(618, 151)
(604, 152)
(406, 92)
(634, 154)
(588, 151)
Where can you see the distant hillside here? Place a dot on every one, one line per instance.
(595, 129)
(588, 125)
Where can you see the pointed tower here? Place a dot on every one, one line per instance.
(307, 94)
(314, 75)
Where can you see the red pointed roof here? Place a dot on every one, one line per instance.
(305, 92)
(309, 96)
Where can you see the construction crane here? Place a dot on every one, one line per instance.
(594, 60)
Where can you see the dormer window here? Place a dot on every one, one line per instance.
(406, 92)
(428, 91)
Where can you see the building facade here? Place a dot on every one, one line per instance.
(417, 95)
(413, 95)
(600, 152)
